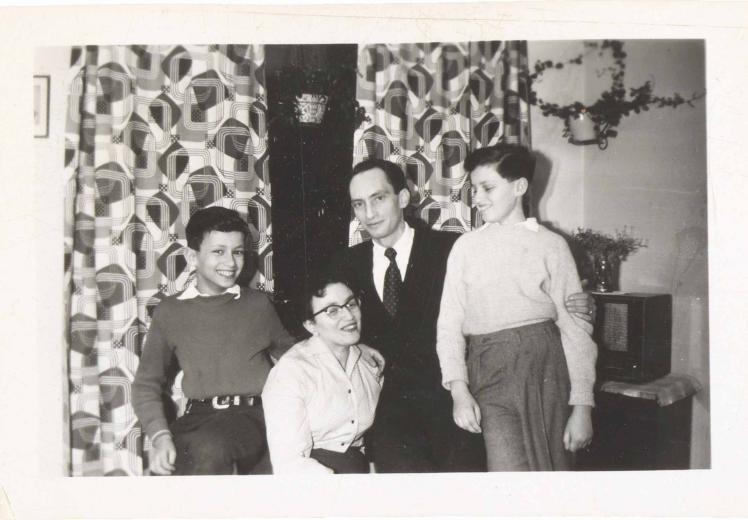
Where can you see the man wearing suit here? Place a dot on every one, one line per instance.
(400, 274)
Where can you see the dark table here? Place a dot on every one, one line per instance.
(641, 426)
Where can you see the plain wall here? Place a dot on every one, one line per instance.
(50, 181)
(558, 185)
(651, 178)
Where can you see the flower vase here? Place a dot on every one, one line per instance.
(582, 127)
(606, 273)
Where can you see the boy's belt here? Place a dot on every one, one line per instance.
(221, 402)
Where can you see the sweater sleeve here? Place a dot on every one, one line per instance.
(281, 340)
(150, 378)
(289, 435)
(450, 342)
(579, 349)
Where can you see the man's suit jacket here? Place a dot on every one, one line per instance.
(408, 342)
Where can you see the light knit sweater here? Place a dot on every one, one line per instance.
(505, 276)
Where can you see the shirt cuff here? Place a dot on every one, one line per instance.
(454, 372)
(159, 434)
(581, 397)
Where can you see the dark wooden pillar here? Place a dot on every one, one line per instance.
(308, 165)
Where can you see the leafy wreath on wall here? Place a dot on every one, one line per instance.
(615, 103)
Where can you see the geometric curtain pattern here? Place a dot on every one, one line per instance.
(428, 105)
(153, 133)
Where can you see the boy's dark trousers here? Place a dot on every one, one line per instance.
(217, 441)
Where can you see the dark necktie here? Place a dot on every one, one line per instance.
(392, 283)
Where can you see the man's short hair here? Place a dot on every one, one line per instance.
(511, 161)
(215, 218)
(392, 171)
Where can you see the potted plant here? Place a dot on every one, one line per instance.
(597, 121)
(315, 89)
(605, 253)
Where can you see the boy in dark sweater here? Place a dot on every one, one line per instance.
(221, 336)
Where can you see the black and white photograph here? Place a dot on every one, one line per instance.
(420, 260)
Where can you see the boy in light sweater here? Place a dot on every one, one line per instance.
(527, 381)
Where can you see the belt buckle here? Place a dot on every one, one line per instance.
(220, 402)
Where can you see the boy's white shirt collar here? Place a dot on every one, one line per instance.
(529, 223)
(193, 292)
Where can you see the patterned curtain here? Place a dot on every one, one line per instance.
(428, 105)
(153, 134)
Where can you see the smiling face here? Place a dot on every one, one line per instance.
(340, 331)
(219, 261)
(378, 207)
(498, 199)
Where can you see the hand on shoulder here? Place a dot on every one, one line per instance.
(373, 358)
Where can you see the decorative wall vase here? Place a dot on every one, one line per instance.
(582, 128)
(606, 273)
(311, 108)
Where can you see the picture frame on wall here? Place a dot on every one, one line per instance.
(41, 106)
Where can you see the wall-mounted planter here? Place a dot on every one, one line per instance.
(311, 108)
(584, 130)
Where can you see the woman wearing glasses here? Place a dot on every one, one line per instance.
(320, 398)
